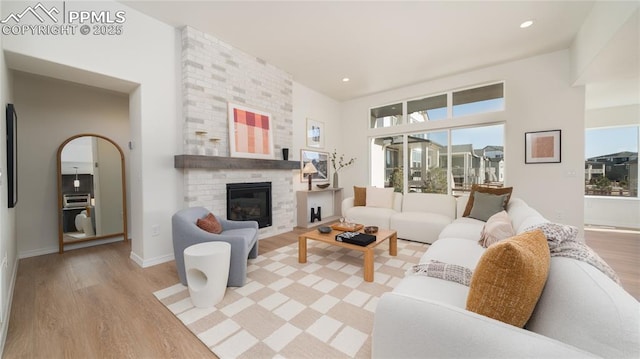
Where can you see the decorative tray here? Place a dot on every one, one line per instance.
(346, 228)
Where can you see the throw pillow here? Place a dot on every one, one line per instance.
(497, 228)
(441, 270)
(209, 224)
(380, 197)
(486, 205)
(359, 196)
(509, 278)
(484, 189)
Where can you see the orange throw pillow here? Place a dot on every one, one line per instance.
(209, 224)
(510, 277)
(489, 190)
(359, 196)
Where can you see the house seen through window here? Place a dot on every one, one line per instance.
(611, 163)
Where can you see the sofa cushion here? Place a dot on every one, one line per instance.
(583, 307)
(430, 203)
(522, 216)
(463, 227)
(379, 197)
(458, 251)
(490, 190)
(509, 278)
(433, 290)
(486, 205)
(209, 224)
(359, 196)
(370, 216)
(497, 228)
(419, 226)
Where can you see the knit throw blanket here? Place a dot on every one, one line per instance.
(562, 240)
(450, 272)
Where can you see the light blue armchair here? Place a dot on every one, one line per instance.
(241, 235)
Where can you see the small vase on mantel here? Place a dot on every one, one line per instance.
(335, 179)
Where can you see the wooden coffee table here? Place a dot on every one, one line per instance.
(368, 251)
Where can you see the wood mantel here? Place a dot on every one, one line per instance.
(232, 163)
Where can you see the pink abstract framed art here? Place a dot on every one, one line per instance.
(542, 147)
(250, 133)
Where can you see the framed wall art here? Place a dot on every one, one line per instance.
(321, 162)
(542, 146)
(12, 155)
(315, 133)
(250, 133)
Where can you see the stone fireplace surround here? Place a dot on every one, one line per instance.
(214, 74)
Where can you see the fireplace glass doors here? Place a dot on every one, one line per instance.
(249, 202)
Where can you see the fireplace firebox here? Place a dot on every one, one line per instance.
(249, 202)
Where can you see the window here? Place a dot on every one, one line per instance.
(386, 160)
(611, 163)
(478, 100)
(471, 101)
(386, 116)
(427, 109)
(476, 157)
(449, 160)
(427, 162)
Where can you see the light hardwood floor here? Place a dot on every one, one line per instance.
(96, 303)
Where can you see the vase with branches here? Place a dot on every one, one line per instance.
(338, 163)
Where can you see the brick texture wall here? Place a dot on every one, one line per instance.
(214, 74)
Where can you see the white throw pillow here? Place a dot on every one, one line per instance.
(380, 197)
(497, 228)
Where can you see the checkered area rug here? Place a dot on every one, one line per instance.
(319, 309)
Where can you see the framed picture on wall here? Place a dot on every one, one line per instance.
(542, 146)
(315, 133)
(250, 133)
(321, 162)
(12, 155)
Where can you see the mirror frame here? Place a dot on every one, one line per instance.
(124, 233)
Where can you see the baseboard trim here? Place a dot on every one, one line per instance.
(37, 252)
(144, 263)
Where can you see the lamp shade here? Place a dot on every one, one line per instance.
(309, 168)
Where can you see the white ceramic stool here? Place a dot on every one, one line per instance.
(207, 268)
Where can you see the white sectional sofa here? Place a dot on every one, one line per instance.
(415, 216)
(580, 313)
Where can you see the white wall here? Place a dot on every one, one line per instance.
(50, 111)
(144, 54)
(310, 104)
(538, 96)
(8, 239)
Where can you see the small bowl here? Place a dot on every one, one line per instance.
(323, 185)
(324, 229)
(370, 229)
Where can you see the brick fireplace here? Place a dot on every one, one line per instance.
(213, 74)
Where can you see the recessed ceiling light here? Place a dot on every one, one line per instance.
(345, 79)
(526, 24)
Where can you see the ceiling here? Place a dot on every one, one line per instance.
(378, 45)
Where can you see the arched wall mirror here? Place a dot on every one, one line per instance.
(91, 190)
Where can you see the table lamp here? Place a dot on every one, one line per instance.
(309, 169)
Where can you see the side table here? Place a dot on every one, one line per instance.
(207, 268)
